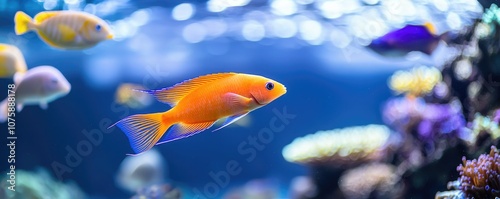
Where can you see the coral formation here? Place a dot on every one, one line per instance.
(426, 128)
(482, 131)
(480, 178)
(257, 188)
(427, 121)
(340, 147)
(40, 185)
(455, 194)
(417, 82)
(163, 191)
(378, 180)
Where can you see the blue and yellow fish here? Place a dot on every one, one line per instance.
(410, 38)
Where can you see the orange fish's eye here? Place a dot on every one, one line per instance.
(269, 86)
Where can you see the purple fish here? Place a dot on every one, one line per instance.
(407, 39)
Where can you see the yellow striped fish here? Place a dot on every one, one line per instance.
(64, 29)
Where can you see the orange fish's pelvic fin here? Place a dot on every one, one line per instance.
(174, 94)
(230, 120)
(182, 130)
(143, 130)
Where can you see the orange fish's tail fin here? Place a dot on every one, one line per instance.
(3, 110)
(23, 23)
(143, 130)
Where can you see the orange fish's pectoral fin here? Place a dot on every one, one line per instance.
(67, 34)
(42, 16)
(174, 94)
(237, 100)
(231, 119)
(143, 130)
(182, 130)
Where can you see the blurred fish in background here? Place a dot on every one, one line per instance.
(302, 187)
(38, 86)
(11, 61)
(410, 38)
(64, 29)
(139, 172)
(129, 95)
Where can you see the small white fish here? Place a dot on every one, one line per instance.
(137, 172)
(39, 85)
(65, 29)
(11, 61)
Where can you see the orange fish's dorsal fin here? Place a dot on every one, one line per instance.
(42, 16)
(431, 28)
(174, 94)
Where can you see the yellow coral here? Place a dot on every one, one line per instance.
(419, 81)
(346, 146)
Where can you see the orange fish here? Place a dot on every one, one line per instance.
(196, 105)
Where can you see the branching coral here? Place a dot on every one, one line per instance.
(455, 194)
(492, 14)
(348, 146)
(377, 180)
(480, 178)
(419, 81)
